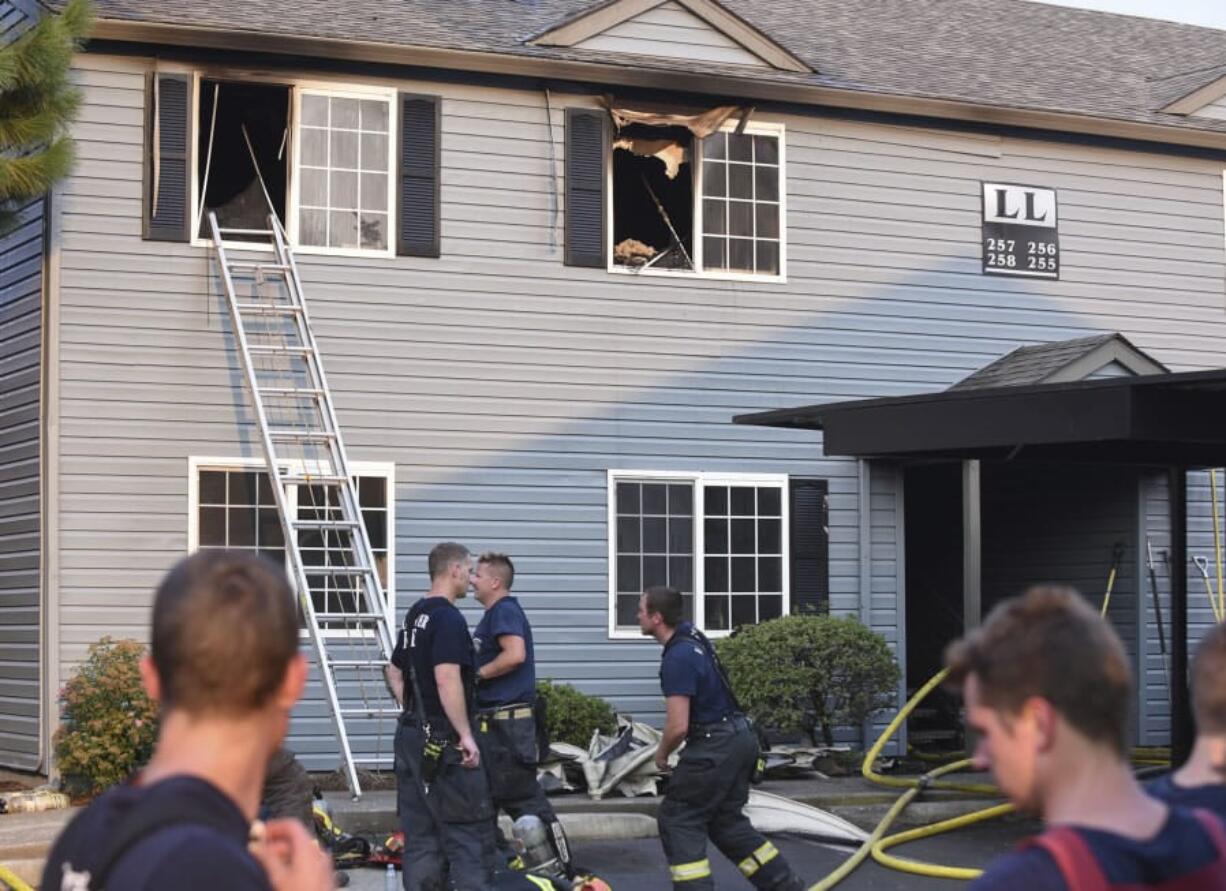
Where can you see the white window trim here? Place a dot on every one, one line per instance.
(384, 469)
(296, 87)
(759, 128)
(699, 481)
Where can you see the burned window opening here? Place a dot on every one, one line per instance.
(653, 212)
(233, 189)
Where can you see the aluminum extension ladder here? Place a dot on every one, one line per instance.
(331, 562)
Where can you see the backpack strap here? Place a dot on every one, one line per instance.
(1214, 829)
(146, 820)
(1073, 858)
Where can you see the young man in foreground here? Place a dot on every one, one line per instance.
(1201, 781)
(225, 668)
(707, 792)
(1047, 689)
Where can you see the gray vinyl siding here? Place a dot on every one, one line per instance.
(505, 385)
(672, 31)
(21, 277)
(1215, 109)
(16, 17)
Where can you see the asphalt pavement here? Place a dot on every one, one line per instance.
(638, 864)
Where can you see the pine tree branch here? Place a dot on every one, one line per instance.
(30, 118)
(44, 53)
(32, 175)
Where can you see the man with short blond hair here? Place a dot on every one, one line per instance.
(1048, 688)
(1201, 781)
(225, 669)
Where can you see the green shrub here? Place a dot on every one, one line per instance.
(810, 673)
(573, 715)
(109, 723)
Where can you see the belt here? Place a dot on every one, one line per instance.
(734, 721)
(514, 711)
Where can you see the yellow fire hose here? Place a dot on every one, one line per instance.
(878, 842)
(11, 881)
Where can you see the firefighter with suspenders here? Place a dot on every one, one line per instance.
(707, 792)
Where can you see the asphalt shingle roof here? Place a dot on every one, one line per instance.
(1035, 364)
(1006, 53)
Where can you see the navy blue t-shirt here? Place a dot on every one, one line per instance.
(1211, 797)
(687, 670)
(1181, 847)
(186, 856)
(434, 633)
(518, 685)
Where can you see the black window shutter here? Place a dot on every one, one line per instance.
(585, 207)
(418, 205)
(167, 199)
(810, 546)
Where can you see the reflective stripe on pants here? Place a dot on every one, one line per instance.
(688, 872)
(759, 858)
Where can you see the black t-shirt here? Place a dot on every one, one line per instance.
(434, 633)
(1211, 797)
(184, 856)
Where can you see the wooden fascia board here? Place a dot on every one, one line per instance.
(748, 89)
(1198, 98)
(746, 35)
(595, 22)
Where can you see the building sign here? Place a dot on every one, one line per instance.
(1019, 231)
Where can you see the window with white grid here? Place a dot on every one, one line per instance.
(234, 508)
(344, 170)
(741, 208)
(722, 540)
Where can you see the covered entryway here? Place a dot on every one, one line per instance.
(1050, 478)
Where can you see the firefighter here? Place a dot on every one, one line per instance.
(442, 793)
(508, 730)
(707, 792)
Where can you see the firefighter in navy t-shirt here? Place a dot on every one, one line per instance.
(707, 792)
(507, 729)
(442, 794)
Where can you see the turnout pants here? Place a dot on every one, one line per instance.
(705, 797)
(447, 826)
(508, 738)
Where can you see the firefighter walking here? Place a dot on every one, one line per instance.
(708, 790)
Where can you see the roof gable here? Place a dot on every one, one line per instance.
(1208, 100)
(689, 30)
(1084, 358)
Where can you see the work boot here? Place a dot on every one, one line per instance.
(790, 882)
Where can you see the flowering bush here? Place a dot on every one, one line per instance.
(109, 722)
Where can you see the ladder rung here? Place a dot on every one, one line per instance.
(349, 617)
(326, 524)
(245, 231)
(270, 348)
(291, 391)
(301, 435)
(320, 480)
(358, 663)
(270, 309)
(370, 712)
(377, 760)
(257, 265)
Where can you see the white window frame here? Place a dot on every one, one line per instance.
(700, 481)
(296, 87)
(383, 469)
(754, 128)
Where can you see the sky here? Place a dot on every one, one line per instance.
(1209, 13)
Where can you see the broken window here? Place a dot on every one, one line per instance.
(243, 153)
(653, 198)
(698, 193)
